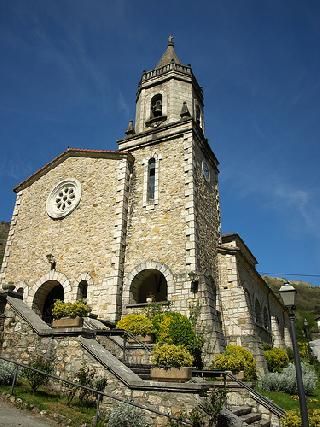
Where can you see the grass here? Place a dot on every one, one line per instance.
(44, 399)
(288, 402)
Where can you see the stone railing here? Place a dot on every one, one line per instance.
(185, 69)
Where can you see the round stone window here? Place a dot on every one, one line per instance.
(64, 198)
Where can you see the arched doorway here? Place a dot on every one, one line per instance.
(45, 298)
(148, 283)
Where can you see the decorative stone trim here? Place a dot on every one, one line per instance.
(86, 277)
(64, 198)
(10, 237)
(148, 265)
(189, 204)
(52, 275)
(113, 283)
(151, 204)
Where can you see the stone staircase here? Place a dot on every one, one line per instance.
(248, 417)
(142, 370)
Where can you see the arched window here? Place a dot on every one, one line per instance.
(82, 290)
(198, 115)
(266, 322)
(156, 106)
(257, 311)
(151, 179)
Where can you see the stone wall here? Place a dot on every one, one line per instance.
(84, 243)
(19, 342)
(4, 230)
(240, 289)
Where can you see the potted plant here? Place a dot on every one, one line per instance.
(69, 314)
(139, 325)
(172, 363)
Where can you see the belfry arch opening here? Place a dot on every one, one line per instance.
(45, 298)
(149, 284)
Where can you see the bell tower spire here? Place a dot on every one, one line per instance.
(169, 55)
(166, 91)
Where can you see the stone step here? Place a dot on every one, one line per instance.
(264, 423)
(241, 410)
(250, 418)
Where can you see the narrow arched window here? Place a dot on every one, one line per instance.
(156, 105)
(82, 290)
(265, 318)
(257, 308)
(198, 115)
(151, 179)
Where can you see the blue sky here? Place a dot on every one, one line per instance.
(69, 73)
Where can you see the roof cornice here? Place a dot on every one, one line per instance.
(72, 152)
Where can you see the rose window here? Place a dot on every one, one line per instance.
(64, 198)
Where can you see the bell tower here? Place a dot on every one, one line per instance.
(167, 93)
(173, 216)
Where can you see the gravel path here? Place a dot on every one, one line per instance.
(10, 416)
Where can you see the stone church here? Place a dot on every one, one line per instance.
(142, 223)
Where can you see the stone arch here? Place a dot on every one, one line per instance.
(44, 285)
(22, 288)
(137, 274)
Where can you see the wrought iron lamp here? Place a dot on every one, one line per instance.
(288, 295)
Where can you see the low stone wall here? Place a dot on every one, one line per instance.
(24, 335)
(134, 353)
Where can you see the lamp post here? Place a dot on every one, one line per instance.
(288, 295)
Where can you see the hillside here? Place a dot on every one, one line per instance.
(307, 300)
(4, 230)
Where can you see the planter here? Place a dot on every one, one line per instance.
(68, 322)
(145, 339)
(177, 375)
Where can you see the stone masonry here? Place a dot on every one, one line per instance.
(144, 218)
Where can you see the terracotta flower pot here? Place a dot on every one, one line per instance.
(178, 375)
(68, 322)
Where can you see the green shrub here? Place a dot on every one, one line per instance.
(36, 379)
(277, 359)
(175, 328)
(70, 309)
(286, 380)
(136, 324)
(7, 370)
(85, 376)
(126, 415)
(236, 359)
(293, 419)
(171, 356)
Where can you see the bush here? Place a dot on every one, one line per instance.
(70, 309)
(136, 324)
(35, 379)
(236, 359)
(126, 415)
(292, 419)
(286, 380)
(175, 328)
(85, 376)
(277, 359)
(7, 370)
(171, 356)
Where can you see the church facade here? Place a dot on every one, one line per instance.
(142, 223)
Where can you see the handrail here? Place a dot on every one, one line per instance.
(97, 392)
(258, 397)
